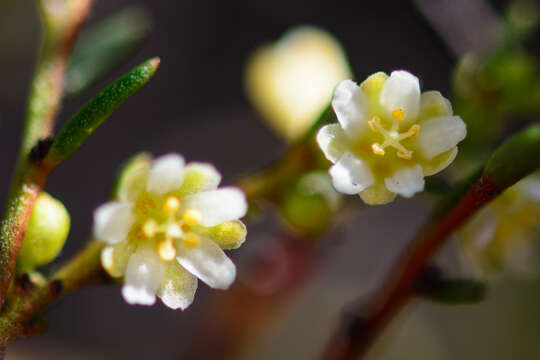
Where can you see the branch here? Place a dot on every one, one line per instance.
(22, 309)
(61, 24)
(515, 159)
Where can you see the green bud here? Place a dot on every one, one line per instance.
(309, 206)
(46, 234)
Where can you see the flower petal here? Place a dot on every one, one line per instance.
(218, 206)
(433, 104)
(350, 175)
(439, 162)
(112, 221)
(208, 262)
(377, 194)
(114, 258)
(178, 287)
(440, 134)
(199, 177)
(401, 91)
(406, 181)
(332, 141)
(350, 105)
(228, 235)
(166, 174)
(144, 273)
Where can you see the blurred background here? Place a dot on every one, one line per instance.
(196, 105)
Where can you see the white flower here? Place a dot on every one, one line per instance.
(169, 227)
(291, 82)
(389, 136)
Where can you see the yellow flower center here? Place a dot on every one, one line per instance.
(392, 137)
(173, 228)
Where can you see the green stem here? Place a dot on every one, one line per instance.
(61, 23)
(22, 309)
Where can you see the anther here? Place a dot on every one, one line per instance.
(191, 240)
(149, 228)
(191, 217)
(166, 250)
(377, 149)
(172, 204)
(398, 114)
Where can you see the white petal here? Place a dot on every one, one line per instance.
(406, 181)
(166, 174)
(401, 91)
(112, 221)
(332, 141)
(199, 177)
(143, 276)
(351, 107)
(440, 134)
(178, 287)
(432, 104)
(218, 206)
(350, 175)
(208, 262)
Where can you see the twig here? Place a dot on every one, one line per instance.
(61, 24)
(358, 333)
(22, 309)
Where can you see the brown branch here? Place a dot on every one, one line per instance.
(357, 334)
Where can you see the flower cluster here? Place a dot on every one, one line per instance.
(168, 227)
(505, 234)
(389, 136)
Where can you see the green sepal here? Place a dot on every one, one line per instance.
(104, 46)
(97, 110)
(127, 169)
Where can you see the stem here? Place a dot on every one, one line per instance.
(21, 310)
(61, 24)
(356, 336)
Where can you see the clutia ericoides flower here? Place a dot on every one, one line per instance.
(389, 136)
(168, 227)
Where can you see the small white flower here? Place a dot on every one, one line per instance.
(389, 136)
(291, 82)
(169, 227)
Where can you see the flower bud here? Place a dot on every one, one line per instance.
(46, 234)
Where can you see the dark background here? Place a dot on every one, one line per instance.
(196, 105)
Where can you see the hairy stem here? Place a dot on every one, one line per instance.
(22, 309)
(61, 24)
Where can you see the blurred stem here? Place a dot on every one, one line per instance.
(61, 24)
(21, 310)
(512, 161)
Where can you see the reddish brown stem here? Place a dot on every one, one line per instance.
(358, 333)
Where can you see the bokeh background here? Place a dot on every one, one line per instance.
(196, 105)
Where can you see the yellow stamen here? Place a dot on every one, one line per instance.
(191, 217)
(393, 137)
(149, 228)
(172, 204)
(174, 231)
(191, 240)
(166, 250)
(377, 149)
(398, 114)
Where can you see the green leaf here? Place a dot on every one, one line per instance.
(515, 158)
(97, 110)
(434, 286)
(105, 45)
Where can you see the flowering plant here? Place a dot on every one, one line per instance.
(169, 223)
